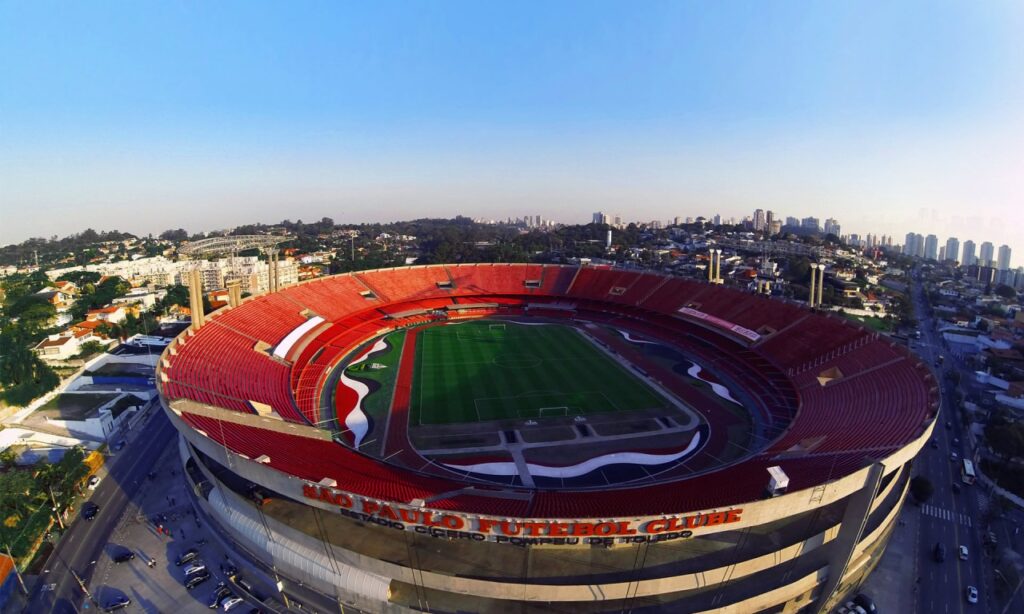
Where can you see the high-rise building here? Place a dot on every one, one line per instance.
(769, 219)
(952, 249)
(759, 220)
(792, 221)
(968, 258)
(832, 227)
(909, 244)
(717, 220)
(919, 245)
(599, 218)
(1003, 263)
(810, 223)
(986, 253)
(942, 253)
(931, 247)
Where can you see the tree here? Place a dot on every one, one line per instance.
(1005, 291)
(921, 488)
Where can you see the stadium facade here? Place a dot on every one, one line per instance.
(789, 515)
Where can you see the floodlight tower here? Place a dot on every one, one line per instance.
(230, 246)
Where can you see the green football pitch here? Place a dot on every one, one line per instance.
(487, 370)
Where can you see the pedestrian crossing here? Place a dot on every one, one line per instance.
(944, 514)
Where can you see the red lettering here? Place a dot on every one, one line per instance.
(605, 528)
(581, 529)
(558, 529)
(657, 526)
(370, 507)
(387, 512)
(410, 516)
(533, 528)
(484, 525)
(624, 528)
(715, 519)
(694, 522)
(343, 500)
(453, 522)
(733, 515)
(309, 491)
(509, 528)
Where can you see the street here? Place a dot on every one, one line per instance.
(950, 518)
(82, 544)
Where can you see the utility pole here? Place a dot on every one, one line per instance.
(56, 510)
(84, 588)
(17, 571)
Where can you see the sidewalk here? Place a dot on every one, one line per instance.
(893, 584)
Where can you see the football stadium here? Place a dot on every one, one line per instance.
(547, 438)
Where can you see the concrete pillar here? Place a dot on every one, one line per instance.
(234, 293)
(711, 265)
(718, 266)
(858, 507)
(273, 271)
(821, 282)
(195, 297)
(811, 295)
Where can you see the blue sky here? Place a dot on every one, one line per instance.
(889, 116)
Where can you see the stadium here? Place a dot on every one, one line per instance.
(525, 437)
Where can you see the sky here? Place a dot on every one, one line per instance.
(889, 116)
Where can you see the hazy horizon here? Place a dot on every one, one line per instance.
(889, 118)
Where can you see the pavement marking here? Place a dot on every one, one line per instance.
(947, 515)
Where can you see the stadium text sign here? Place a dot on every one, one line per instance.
(519, 532)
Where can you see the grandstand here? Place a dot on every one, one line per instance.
(382, 414)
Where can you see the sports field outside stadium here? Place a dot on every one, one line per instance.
(498, 370)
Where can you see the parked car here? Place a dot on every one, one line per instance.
(94, 481)
(229, 570)
(865, 602)
(120, 443)
(232, 603)
(218, 595)
(195, 568)
(953, 456)
(187, 557)
(196, 579)
(123, 556)
(117, 604)
(89, 510)
(963, 553)
(939, 552)
(972, 595)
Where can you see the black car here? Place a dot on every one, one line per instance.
(89, 510)
(196, 579)
(940, 552)
(118, 604)
(187, 556)
(219, 593)
(956, 488)
(229, 570)
(865, 602)
(123, 557)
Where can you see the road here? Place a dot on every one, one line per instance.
(84, 541)
(950, 518)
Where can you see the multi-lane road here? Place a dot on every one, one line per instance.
(79, 548)
(950, 518)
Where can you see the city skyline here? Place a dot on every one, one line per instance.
(146, 119)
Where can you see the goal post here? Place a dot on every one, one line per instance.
(496, 327)
(553, 411)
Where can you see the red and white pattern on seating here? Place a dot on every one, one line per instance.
(818, 431)
(576, 470)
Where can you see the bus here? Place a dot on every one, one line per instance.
(967, 473)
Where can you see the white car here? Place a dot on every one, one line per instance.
(94, 481)
(194, 568)
(972, 595)
(232, 603)
(963, 553)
